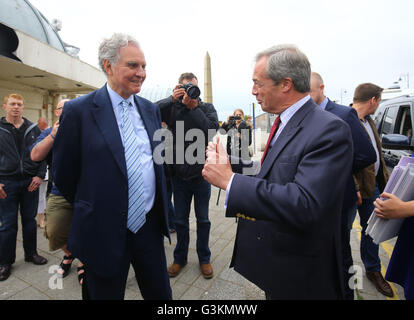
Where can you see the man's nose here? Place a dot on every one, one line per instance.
(140, 72)
(254, 90)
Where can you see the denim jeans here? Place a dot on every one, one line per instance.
(17, 197)
(369, 250)
(183, 194)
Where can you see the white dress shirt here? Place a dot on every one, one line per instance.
(148, 173)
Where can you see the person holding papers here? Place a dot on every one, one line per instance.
(401, 267)
(394, 208)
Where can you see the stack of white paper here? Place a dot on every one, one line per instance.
(401, 184)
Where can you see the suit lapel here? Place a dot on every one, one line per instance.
(147, 117)
(106, 121)
(290, 130)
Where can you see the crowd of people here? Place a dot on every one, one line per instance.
(110, 203)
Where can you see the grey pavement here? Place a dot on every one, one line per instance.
(31, 282)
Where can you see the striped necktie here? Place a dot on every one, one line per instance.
(136, 213)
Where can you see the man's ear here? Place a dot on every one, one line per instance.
(107, 66)
(322, 87)
(287, 84)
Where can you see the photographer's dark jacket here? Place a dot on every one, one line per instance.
(236, 148)
(203, 117)
(15, 159)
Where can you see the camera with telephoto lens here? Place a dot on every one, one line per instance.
(232, 121)
(192, 90)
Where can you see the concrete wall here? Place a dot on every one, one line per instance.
(38, 103)
(44, 76)
(34, 100)
(44, 57)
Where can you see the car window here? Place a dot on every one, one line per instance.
(389, 120)
(404, 125)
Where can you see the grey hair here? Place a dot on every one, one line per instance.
(287, 61)
(109, 48)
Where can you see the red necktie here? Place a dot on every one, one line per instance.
(272, 134)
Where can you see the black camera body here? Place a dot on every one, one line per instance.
(234, 118)
(192, 90)
(232, 121)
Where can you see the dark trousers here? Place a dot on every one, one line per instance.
(171, 210)
(183, 194)
(145, 251)
(369, 250)
(17, 197)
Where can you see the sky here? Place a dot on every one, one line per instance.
(347, 42)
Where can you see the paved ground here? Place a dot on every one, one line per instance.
(368, 291)
(36, 283)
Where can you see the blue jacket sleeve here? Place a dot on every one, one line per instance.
(66, 153)
(364, 152)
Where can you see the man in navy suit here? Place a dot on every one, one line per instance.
(288, 235)
(91, 171)
(364, 155)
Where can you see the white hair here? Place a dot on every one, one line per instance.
(109, 48)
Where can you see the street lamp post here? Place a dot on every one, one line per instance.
(405, 76)
(254, 127)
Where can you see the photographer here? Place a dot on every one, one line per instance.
(239, 135)
(182, 112)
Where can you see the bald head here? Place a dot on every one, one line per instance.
(61, 103)
(317, 88)
(42, 123)
(59, 107)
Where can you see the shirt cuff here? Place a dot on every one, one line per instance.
(228, 191)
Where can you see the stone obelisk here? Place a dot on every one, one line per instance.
(208, 92)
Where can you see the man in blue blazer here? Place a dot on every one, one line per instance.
(364, 155)
(104, 165)
(288, 235)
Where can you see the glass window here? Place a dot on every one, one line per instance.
(404, 124)
(389, 120)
